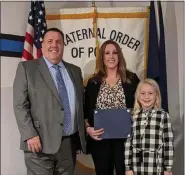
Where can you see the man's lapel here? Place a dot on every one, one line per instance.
(47, 77)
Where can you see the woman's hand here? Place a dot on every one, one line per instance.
(94, 133)
(167, 173)
(130, 172)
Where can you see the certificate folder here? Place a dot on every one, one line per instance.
(117, 123)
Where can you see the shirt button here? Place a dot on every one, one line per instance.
(62, 109)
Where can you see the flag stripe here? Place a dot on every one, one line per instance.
(12, 37)
(12, 46)
(29, 38)
(34, 52)
(27, 55)
(30, 30)
(11, 54)
(28, 47)
(39, 53)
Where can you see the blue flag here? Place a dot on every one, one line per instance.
(153, 50)
(162, 60)
(156, 65)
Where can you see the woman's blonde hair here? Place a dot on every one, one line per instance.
(153, 83)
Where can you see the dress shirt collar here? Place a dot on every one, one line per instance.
(49, 64)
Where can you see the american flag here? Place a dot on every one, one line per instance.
(35, 28)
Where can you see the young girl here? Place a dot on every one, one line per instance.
(150, 149)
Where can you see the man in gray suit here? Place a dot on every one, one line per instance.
(48, 105)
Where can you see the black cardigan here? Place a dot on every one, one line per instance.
(93, 87)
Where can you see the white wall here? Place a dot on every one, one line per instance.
(14, 20)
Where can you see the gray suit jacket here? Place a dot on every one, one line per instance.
(37, 107)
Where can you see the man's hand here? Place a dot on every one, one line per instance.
(130, 172)
(94, 133)
(34, 144)
(167, 173)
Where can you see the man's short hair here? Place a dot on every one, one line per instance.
(53, 30)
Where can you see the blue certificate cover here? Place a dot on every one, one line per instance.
(117, 123)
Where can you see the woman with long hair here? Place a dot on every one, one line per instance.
(113, 86)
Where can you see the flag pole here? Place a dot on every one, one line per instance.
(97, 43)
(95, 34)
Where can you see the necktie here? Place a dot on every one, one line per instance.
(62, 91)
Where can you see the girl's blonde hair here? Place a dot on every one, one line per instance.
(153, 83)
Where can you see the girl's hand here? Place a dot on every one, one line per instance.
(129, 172)
(167, 173)
(94, 133)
